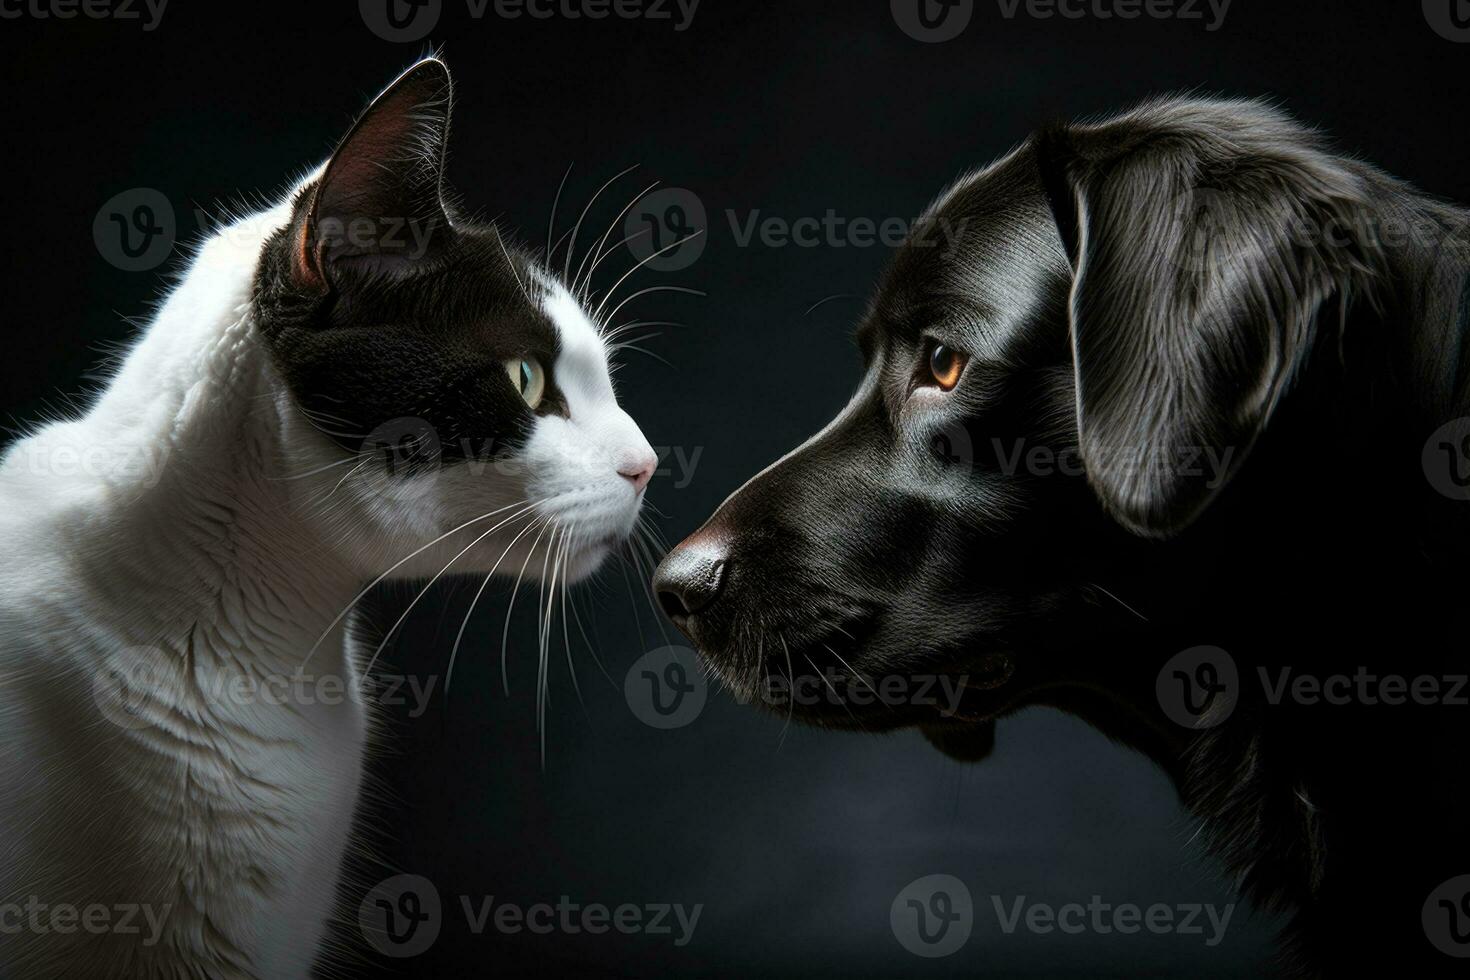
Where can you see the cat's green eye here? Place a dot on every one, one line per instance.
(528, 377)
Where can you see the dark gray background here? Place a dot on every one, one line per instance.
(795, 847)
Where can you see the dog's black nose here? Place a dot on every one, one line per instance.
(690, 578)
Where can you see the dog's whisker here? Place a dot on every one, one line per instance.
(859, 677)
(835, 695)
(1119, 601)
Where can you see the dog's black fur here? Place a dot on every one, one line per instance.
(1158, 296)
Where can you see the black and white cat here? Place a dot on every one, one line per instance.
(223, 502)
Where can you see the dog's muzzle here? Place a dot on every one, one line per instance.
(690, 579)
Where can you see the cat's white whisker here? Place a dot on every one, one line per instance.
(510, 608)
(391, 569)
(551, 222)
(585, 295)
(557, 248)
(459, 637)
(596, 254)
(652, 289)
(618, 331)
(316, 470)
(510, 264)
(437, 576)
(597, 315)
(644, 351)
(572, 245)
(566, 639)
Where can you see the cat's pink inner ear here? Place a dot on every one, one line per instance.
(305, 262)
(381, 193)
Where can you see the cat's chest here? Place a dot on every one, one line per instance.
(280, 756)
(268, 804)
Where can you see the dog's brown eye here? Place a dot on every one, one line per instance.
(945, 366)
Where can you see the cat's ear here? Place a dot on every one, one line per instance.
(378, 204)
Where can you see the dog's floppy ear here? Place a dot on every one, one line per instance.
(1205, 238)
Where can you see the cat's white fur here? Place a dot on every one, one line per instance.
(189, 536)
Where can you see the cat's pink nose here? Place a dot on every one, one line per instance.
(639, 469)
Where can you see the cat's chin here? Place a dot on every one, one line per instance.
(590, 557)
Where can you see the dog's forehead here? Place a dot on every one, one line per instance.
(982, 259)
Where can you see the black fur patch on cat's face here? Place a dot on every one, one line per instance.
(389, 320)
(427, 343)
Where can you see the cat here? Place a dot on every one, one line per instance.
(357, 383)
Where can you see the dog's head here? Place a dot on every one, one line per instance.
(1067, 362)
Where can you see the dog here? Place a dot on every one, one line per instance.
(1183, 403)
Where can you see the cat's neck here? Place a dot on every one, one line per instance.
(204, 491)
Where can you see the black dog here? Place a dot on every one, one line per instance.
(1042, 489)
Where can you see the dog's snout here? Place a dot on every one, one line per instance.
(690, 578)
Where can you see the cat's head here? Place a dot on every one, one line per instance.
(441, 376)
